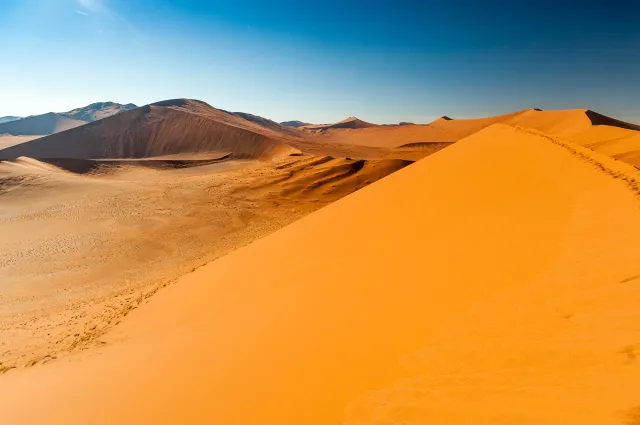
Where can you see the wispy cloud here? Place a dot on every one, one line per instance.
(96, 6)
(80, 12)
(108, 15)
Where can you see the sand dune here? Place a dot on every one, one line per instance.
(8, 140)
(41, 124)
(441, 130)
(165, 128)
(85, 241)
(447, 130)
(617, 142)
(348, 123)
(493, 282)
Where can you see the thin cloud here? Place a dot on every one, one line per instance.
(96, 6)
(80, 12)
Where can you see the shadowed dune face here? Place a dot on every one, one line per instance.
(8, 140)
(494, 282)
(41, 124)
(167, 128)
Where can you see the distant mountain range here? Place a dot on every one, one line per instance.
(172, 127)
(53, 122)
(8, 119)
(98, 111)
(295, 124)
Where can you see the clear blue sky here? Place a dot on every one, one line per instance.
(321, 61)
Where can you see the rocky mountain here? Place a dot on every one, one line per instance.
(98, 111)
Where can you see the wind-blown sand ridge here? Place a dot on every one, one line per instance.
(493, 282)
(165, 128)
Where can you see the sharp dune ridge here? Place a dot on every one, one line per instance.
(165, 128)
(493, 282)
(574, 125)
(86, 241)
(347, 123)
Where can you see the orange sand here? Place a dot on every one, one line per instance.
(495, 282)
(560, 123)
(165, 128)
(80, 249)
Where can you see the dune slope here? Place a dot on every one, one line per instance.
(165, 128)
(347, 123)
(447, 130)
(40, 124)
(495, 282)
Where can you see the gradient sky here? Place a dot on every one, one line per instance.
(321, 61)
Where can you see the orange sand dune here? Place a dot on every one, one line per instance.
(617, 142)
(440, 130)
(165, 128)
(447, 130)
(348, 123)
(84, 241)
(495, 282)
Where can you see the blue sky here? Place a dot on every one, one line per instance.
(322, 61)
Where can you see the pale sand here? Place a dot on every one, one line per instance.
(495, 282)
(79, 252)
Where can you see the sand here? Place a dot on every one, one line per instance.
(166, 128)
(349, 123)
(414, 142)
(617, 142)
(494, 282)
(79, 251)
(40, 124)
(7, 140)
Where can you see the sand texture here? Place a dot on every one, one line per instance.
(79, 251)
(166, 128)
(418, 141)
(494, 282)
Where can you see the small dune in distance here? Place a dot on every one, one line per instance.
(180, 263)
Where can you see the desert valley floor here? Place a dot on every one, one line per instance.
(177, 263)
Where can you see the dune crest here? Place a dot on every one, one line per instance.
(171, 127)
(301, 328)
(347, 123)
